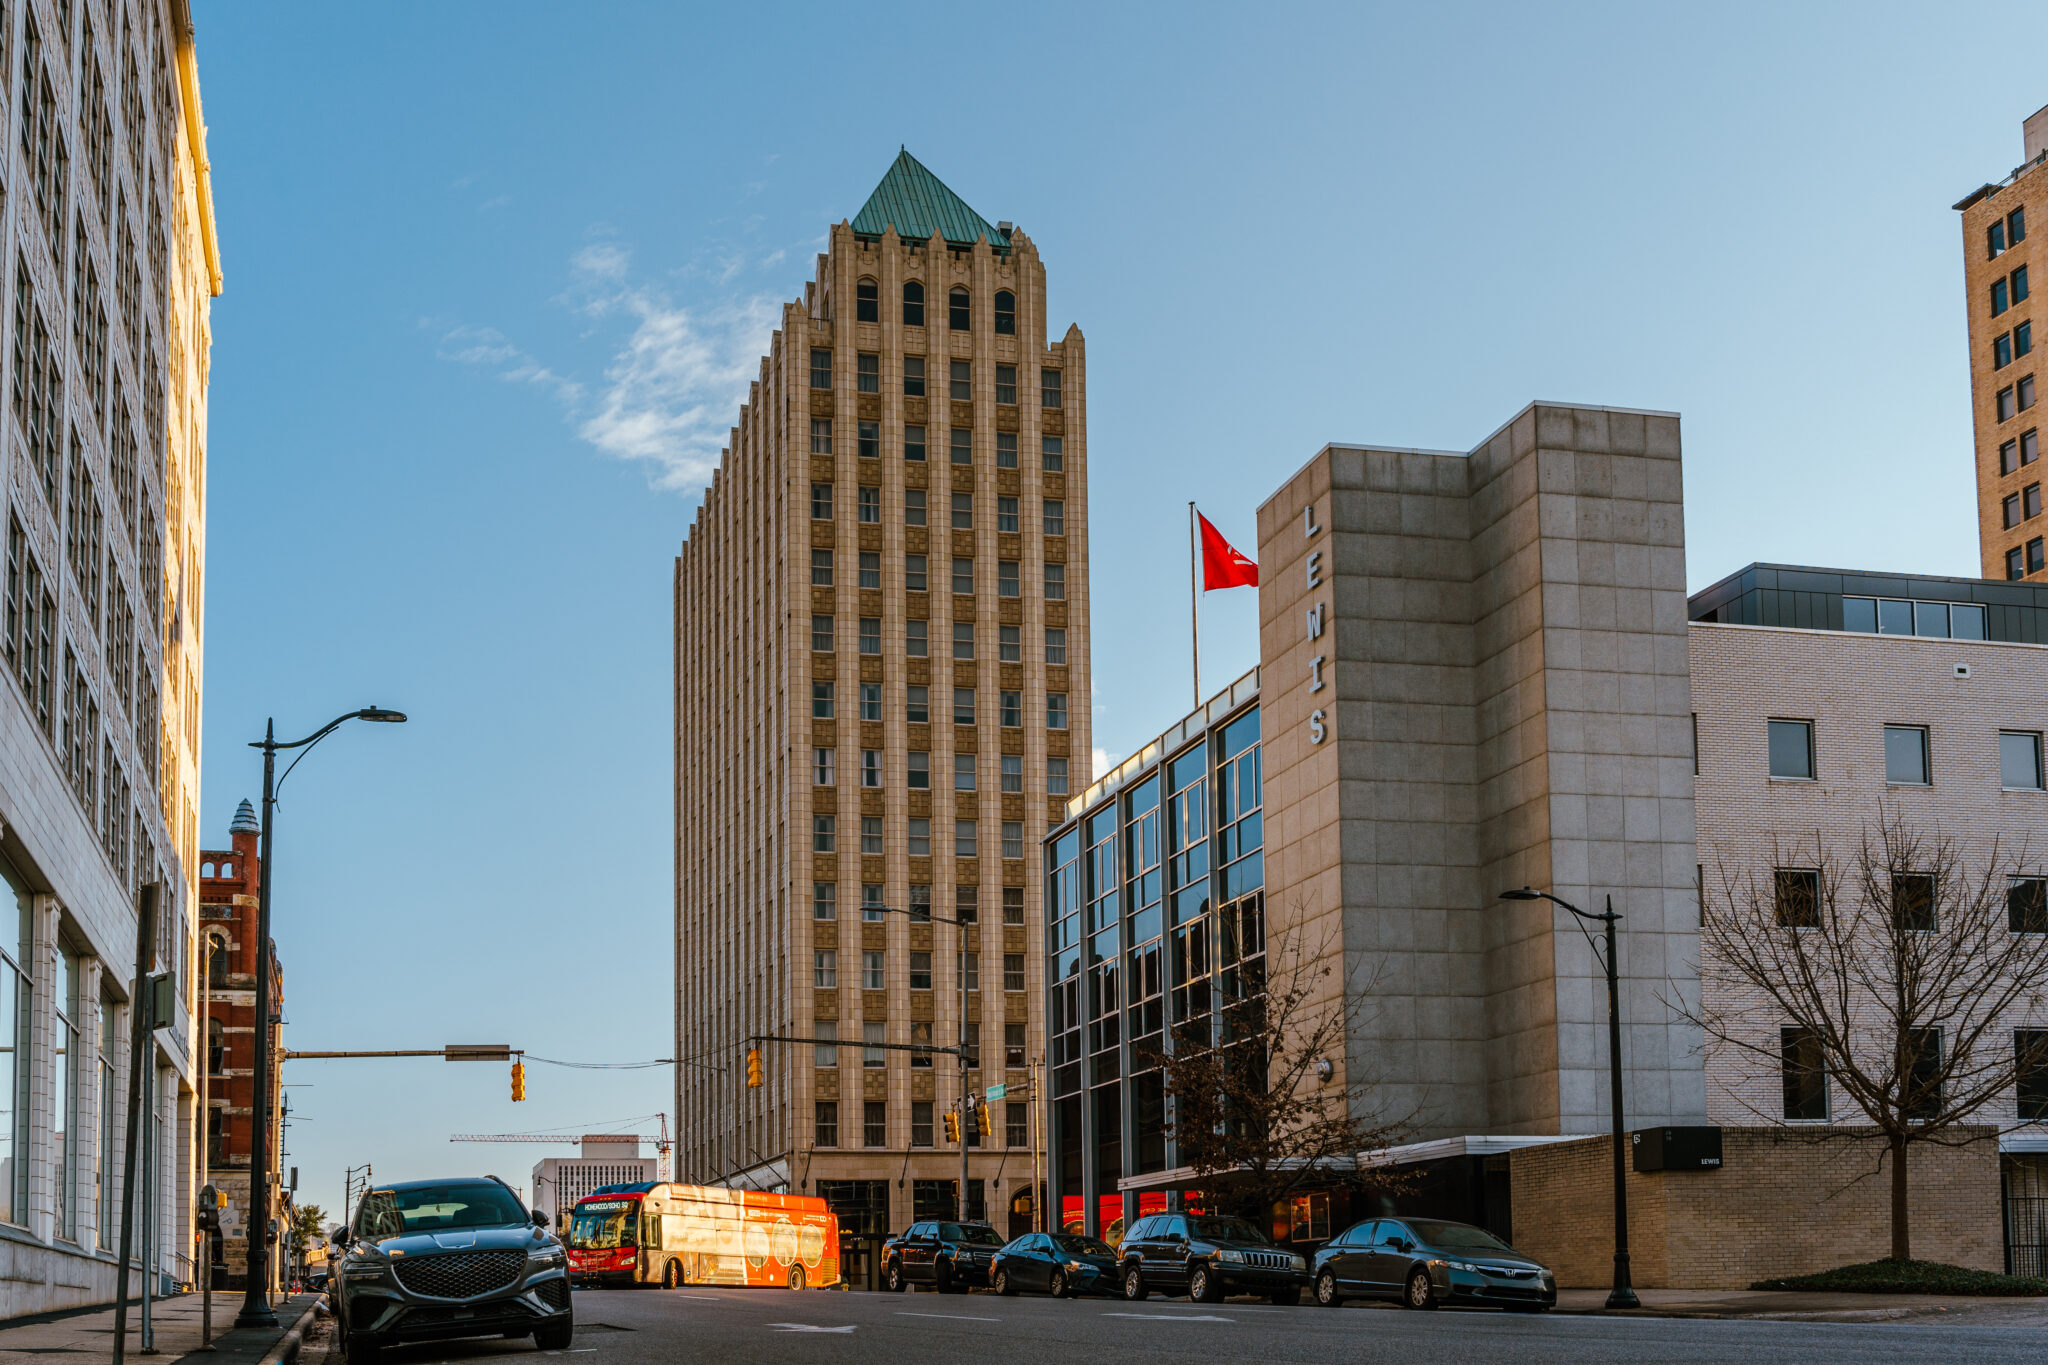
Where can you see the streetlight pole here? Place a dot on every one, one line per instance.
(256, 1309)
(1623, 1295)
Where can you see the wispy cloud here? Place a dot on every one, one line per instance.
(489, 348)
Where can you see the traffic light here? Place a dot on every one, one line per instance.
(753, 1068)
(952, 1126)
(519, 1080)
(981, 1120)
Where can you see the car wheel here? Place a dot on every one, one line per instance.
(362, 1350)
(555, 1336)
(1059, 1284)
(1286, 1298)
(671, 1275)
(942, 1278)
(1420, 1292)
(1135, 1289)
(1003, 1285)
(1326, 1291)
(796, 1277)
(892, 1278)
(1202, 1286)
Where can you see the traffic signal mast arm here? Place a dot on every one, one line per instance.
(854, 1042)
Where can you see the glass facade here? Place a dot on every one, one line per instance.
(1154, 911)
(1875, 603)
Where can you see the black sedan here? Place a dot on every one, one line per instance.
(1423, 1262)
(1057, 1263)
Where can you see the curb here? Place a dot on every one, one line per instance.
(287, 1349)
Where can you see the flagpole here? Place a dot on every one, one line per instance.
(1194, 600)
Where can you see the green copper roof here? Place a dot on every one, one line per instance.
(917, 203)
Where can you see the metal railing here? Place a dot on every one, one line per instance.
(2026, 1235)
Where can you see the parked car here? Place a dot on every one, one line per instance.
(1425, 1261)
(951, 1257)
(1207, 1257)
(1061, 1264)
(431, 1259)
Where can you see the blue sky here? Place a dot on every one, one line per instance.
(497, 274)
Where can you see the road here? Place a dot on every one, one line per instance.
(735, 1327)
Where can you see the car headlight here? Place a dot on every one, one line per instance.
(1073, 1267)
(1463, 1265)
(1233, 1257)
(1300, 1261)
(548, 1257)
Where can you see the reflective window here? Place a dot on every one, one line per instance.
(1791, 743)
(2019, 760)
(1905, 755)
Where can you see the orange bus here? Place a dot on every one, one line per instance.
(670, 1235)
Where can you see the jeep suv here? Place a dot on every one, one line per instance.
(948, 1256)
(431, 1259)
(1206, 1257)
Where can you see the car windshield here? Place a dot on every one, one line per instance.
(1228, 1230)
(1456, 1236)
(1080, 1246)
(969, 1233)
(437, 1208)
(603, 1226)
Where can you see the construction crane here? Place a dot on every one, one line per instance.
(513, 1137)
(661, 1147)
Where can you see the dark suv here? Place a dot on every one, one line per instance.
(432, 1259)
(1206, 1257)
(948, 1256)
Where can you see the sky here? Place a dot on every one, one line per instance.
(497, 274)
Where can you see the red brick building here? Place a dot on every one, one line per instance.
(230, 880)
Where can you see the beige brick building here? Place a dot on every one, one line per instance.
(1999, 286)
(881, 635)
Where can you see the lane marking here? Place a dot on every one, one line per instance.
(949, 1317)
(707, 1298)
(1171, 1317)
(807, 1327)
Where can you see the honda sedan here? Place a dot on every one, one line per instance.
(1057, 1263)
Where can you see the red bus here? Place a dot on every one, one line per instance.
(667, 1234)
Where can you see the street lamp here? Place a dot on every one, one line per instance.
(966, 1094)
(256, 1309)
(1623, 1295)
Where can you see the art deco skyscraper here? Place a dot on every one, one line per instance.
(881, 636)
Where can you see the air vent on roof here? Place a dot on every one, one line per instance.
(1004, 227)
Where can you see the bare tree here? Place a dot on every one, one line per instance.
(1905, 981)
(1256, 1112)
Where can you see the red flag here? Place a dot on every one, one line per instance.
(1222, 565)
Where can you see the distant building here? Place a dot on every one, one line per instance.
(605, 1159)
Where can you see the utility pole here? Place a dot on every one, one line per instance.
(138, 1044)
(1037, 1131)
(966, 1093)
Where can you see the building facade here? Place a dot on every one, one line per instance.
(881, 654)
(110, 264)
(602, 1159)
(1998, 288)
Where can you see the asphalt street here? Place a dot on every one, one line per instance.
(732, 1326)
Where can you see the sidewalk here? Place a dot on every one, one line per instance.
(1812, 1307)
(175, 1321)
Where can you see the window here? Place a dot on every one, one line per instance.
(1055, 644)
(1797, 897)
(821, 568)
(867, 373)
(2015, 563)
(1805, 1076)
(1055, 582)
(871, 767)
(821, 767)
(2006, 406)
(2012, 507)
(2030, 447)
(871, 834)
(913, 303)
(2023, 340)
(1013, 980)
(824, 833)
(1013, 779)
(971, 970)
(821, 634)
(963, 577)
(2001, 351)
(1056, 710)
(920, 973)
(920, 772)
(964, 830)
(870, 569)
(871, 906)
(2026, 393)
(2034, 557)
(2030, 1073)
(960, 385)
(1009, 644)
(920, 1110)
(1792, 749)
(921, 1034)
(821, 368)
(2026, 905)
(913, 506)
(1006, 392)
(1998, 296)
(963, 639)
(827, 1125)
(1011, 711)
(1006, 515)
(2009, 459)
(1921, 1094)
(1013, 905)
(825, 969)
(824, 900)
(1994, 238)
(916, 643)
(967, 904)
(920, 836)
(867, 301)
(821, 701)
(963, 772)
(961, 450)
(2019, 285)
(1006, 316)
(1006, 578)
(873, 1031)
(921, 895)
(1055, 517)
(1049, 390)
(963, 511)
(913, 376)
(1905, 755)
(821, 502)
(871, 634)
(913, 449)
(871, 445)
(1013, 838)
(1913, 901)
(2019, 760)
(2016, 226)
(914, 579)
(825, 1054)
(956, 310)
(1056, 776)
(963, 706)
(917, 704)
(873, 971)
(1016, 1113)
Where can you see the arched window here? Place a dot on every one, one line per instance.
(1006, 313)
(867, 301)
(216, 965)
(956, 310)
(913, 303)
(216, 1047)
(206, 869)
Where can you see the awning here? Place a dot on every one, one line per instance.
(1186, 1178)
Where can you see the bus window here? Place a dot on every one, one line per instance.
(600, 1227)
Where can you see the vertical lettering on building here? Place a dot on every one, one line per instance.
(1317, 731)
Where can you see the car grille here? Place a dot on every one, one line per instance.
(462, 1274)
(554, 1293)
(1268, 1260)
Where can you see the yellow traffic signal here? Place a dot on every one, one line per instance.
(518, 1080)
(952, 1126)
(753, 1068)
(981, 1119)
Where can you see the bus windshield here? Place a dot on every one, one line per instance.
(600, 1227)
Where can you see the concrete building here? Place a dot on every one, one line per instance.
(111, 266)
(602, 1159)
(1998, 287)
(881, 637)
